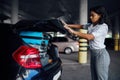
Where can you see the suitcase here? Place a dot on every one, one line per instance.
(31, 37)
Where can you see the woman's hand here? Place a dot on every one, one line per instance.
(66, 26)
(69, 29)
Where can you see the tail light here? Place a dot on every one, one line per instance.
(27, 57)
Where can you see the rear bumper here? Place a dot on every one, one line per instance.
(51, 71)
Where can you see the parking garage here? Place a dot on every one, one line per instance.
(74, 11)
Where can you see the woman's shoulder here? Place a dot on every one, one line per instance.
(103, 26)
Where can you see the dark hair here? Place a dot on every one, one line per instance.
(101, 11)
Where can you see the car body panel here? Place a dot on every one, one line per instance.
(36, 39)
(12, 41)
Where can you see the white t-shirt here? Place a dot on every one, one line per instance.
(100, 32)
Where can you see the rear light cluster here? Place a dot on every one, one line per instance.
(27, 57)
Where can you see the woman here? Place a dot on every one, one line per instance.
(97, 32)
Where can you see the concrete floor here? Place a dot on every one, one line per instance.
(72, 70)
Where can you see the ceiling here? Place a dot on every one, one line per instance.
(44, 9)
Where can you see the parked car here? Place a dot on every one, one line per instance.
(65, 44)
(41, 60)
(27, 52)
(37, 59)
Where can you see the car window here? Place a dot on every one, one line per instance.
(59, 39)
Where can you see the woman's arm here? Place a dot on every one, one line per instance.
(78, 26)
(83, 35)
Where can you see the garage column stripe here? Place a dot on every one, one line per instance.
(82, 55)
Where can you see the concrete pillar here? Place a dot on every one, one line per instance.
(119, 34)
(14, 11)
(82, 55)
(83, 15)
(116, 34)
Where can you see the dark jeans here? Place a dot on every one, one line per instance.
(100, 61)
